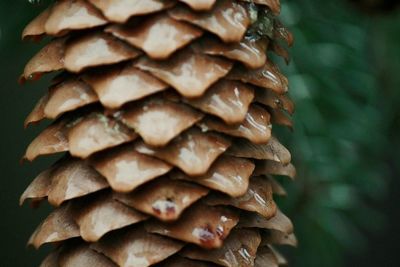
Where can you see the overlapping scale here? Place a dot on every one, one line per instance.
(256, 126)
(91, 50)
(68, 179)
(279, 222)
(275, 101)
(250, 52)
(228, 19)
(35, 29)
(64, 16)
(91, 217)
(164, 110)
(193, 151)
(136, 246)
(164, 198)
(266, 258)
(58, 226)
(228, 100)
(155, 32)
(258, 198)
(201, 5)
(202, 225)
(121, 10)
(50, 58)
(281, 118)
(87, 218)
(268, 77)
(281, 32)
(187, 72)
(125, 169)
(52, 140)
(273, 150)
(282, 261)
(96, 49)
(120, 85)
(39, 188)
(229, 175)
(278, 238)
(158, 121)
(275, 168)
(82, 255)
(72, 15)
(66, 96)
(239, 250)
(97, 132)
(277, 188)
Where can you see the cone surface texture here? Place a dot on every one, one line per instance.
(162, 114)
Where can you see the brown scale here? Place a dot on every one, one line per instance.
(157, 31)
(275, 237)
(78, 255)
(193, 152)
(258, 198)
(201, 224)
(229, 175)
(225, 99)
(250, 52)
(273, 150)
(118, 86)
(164, 110)
(277, 187)
(227, 19)
(158, 121)
(125, 169)
(67, 179)
(66, 96)
(186, 71)
(136, 246)
(266, 258)
(256, 126)
(164, 198)
(240, 249)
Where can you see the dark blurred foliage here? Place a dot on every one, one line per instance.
(377, 6)
(15, 104)
(345, 79)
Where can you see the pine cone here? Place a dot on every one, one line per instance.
(164, 111)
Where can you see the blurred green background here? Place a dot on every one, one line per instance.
(345, 79)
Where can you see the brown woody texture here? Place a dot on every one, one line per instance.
(163, 113)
